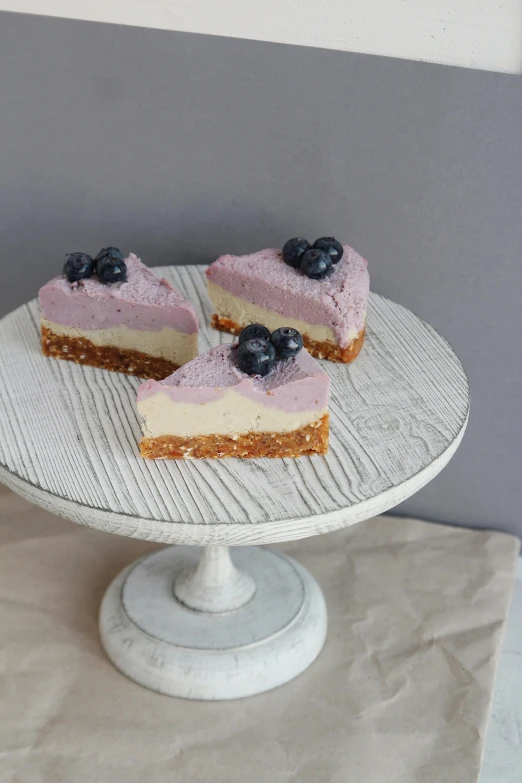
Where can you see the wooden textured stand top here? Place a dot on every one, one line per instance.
(69, 438)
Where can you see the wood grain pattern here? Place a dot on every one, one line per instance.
(69, 435)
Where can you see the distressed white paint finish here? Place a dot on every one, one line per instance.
(159, 643)
(215, 585)
(472, 33)
(215, 630)
(69, 435)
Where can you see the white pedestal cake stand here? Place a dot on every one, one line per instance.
(219, 627)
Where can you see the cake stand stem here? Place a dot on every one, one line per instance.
(215, 585)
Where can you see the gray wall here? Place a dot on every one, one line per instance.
(181, 147)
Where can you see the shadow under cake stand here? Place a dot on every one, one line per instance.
(203, 624)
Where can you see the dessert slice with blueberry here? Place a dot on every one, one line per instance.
(264, 396)
(321, 290)
(113, 312)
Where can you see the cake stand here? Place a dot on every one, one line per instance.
(215, 623)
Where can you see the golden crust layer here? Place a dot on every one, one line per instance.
(107, 357)
(312, 439)
(321, 350)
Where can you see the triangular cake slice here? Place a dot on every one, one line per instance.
(210, 408)
(261, 288)
(142, 326)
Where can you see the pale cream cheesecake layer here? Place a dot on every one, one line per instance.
(167, 343)
(137, 324)
(242, 312)
(232, 415)
(211, 408)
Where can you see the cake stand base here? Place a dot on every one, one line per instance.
(213, 629)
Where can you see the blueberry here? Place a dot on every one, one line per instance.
(287, 342)
(316, 264)
(111, 270)
(331, 246)
(77, 266)
(256, 356)
(252, 331)
(113, 252)
(294, 250)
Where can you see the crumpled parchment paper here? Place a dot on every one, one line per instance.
(400, 693)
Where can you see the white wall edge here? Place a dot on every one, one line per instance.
(482, 34)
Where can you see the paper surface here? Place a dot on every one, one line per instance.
(400, 693)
